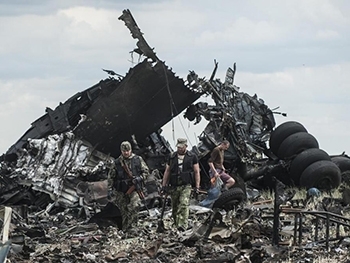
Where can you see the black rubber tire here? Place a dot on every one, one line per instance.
(324, 175)
(342, 162)
(295, 144)
(303, 160)
(284, 130)
(230, 198)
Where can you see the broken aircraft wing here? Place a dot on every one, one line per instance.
(144, 101)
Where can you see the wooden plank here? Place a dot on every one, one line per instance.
(6, 226)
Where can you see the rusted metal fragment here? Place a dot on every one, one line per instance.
(93, 192)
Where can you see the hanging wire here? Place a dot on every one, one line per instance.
(172, 108)
(184, 130)
(172, 104)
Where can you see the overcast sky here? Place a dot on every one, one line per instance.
(294, 54)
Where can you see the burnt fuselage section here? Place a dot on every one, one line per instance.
(148, 97)
(144, 101)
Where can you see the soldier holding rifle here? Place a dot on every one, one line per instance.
(125, 184)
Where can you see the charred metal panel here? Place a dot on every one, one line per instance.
(111, 111)
(147, 98)
(63, 118)
(142, 47)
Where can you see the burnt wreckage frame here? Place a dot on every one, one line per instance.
(73, 144)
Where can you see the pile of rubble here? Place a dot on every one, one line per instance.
(241, 235)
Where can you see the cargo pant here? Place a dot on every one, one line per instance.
(129, 208)
(180, 200)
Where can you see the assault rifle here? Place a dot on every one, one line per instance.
(136, 184)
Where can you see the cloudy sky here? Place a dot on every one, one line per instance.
(294, 54)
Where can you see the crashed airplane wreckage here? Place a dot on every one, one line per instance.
(64, 159)
(79, 138)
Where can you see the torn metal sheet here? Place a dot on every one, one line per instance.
(147, 98)
(143, 47)
(53, 166)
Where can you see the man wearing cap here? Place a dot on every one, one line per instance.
(130, 171)
(181, 173)
(216, 164)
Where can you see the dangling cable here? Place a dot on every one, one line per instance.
(172, 104)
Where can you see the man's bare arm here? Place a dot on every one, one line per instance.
(166, 175)
(197, 176)
(212, 167)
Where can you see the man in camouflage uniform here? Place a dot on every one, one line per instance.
(129, 173)
(182, 171)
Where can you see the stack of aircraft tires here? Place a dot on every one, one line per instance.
(310, 166)
(307, 165)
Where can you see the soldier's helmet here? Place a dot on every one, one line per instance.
(125, 146)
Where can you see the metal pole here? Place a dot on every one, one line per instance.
(300, 227)
(276, 211)
(327, 232)
(338, 230)
(316, 230)
(295, 229)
